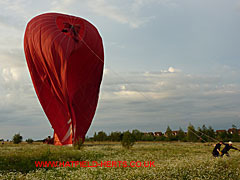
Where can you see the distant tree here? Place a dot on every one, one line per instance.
(202, 132)
(101, 136)
(17, 138)
(2, 140)
(207, 134)
(235, 136)
(169, 134)
(192, 134)
(29, 141)
(211, 133)
(95, 136)
(234, 126)
(137, 134)
(181, 135)
(115, 136)
(160, 138)
(128, 140)
(89, 139)
(147, 137)
(223, 136)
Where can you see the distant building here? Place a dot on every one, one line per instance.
(220, 131)
(149, 133)
(232, 130)
(158, 134)
(175, 133)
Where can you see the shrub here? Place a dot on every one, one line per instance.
(128, 140)
(115, 136)
(137, 134)
(147, 137)
(101, 136)
(78, 144)
(29, 141)
(17, 138)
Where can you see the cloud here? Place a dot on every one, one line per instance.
(15, 13)
(173, 70)
(62, 5)
(18, 12)
(130, 100)
(19, 106)
(163, 84)
(238, 5)
(152, 100)
(123, 13)
(137, 5)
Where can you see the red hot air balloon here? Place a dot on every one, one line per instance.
(65, 58)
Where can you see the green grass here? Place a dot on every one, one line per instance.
(172, 161)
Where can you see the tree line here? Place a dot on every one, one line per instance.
(200, 134)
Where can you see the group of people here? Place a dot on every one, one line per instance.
(220, 153)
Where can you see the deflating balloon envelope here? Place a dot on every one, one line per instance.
(65, 58)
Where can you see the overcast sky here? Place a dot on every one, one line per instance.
(167, 62)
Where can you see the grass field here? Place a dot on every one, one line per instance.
(171, 160)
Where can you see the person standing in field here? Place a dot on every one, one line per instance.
(216, 151)
(227, 148)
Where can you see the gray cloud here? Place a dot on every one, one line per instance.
(151, 101)
(131, 100)
(143, 100)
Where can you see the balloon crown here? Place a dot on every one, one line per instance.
(73, 30)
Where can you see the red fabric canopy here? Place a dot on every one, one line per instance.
(65, 58)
